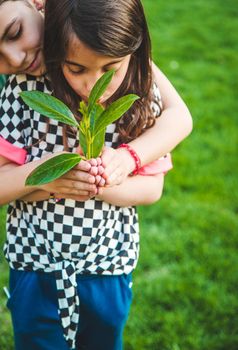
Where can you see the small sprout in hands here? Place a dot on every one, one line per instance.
(92, 128)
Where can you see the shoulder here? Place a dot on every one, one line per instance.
(11, 103)
(23, 82)
(10, 94)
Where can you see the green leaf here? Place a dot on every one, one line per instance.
(52, 169)
(95, 115)
(98, 143)
(83, 108)
(49, 106)
(83, 142)
(99, 88)
(115, 111)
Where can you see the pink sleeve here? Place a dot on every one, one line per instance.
(11, 152)
(161, 165)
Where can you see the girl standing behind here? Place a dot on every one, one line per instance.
(21, 32)
(75, 259)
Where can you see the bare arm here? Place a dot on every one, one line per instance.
(135, 190)
(174, 125)
(77, 182)
(125, 194)
(12, 180)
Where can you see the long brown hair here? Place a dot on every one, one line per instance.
(112, 28)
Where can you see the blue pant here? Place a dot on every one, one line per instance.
(104, 307)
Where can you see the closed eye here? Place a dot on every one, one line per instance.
(16, 34)
(75, 71)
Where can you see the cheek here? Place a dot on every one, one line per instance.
(116, 83)
(34, 32)
(32, 41)
(72, 81)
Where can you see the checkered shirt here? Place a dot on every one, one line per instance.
(68, 237)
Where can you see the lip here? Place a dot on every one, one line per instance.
(35, 63)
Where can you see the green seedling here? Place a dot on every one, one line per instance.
(92, 127)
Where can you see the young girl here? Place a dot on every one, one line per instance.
(21, 32)
(89, 248)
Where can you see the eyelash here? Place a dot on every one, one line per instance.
(75, 73)
(17, 35)
(82, 70)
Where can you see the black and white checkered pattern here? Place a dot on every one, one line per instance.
(67, 237)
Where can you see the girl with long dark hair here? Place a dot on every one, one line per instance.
(72, 261)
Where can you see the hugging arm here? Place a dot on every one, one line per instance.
(173, 125)
(135, 190)
(15, 128)
(76, 183)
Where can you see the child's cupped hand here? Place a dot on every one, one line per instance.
(110, 169)
(95, 168)
(117, 164)
(88, 178)
(78, 183)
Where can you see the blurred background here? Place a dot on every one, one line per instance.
(186, 282)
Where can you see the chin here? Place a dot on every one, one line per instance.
(38, 72)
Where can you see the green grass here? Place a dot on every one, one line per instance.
(6, 336)
(185, 285)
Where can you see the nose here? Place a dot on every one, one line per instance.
(15, 57)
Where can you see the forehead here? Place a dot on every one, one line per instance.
(14, 2)
(80, 52)
(10, 10)
(7, 7)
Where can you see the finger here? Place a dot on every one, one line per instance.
(69, 185)
(93, 162)
(94, 170)
(93, 194)
(101, 182)
(78, 175)
(99, 161)
(86, 178)
(110, 169)
(100, 170)
(83, 165)
(98, 179)
(115, 178)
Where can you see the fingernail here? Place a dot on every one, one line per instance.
(99, 161)
(100, 169)
(97, 179)
(91, 179)
(102, 182)
(93, 162)
(94, 170)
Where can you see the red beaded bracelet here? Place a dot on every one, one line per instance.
(134, 156)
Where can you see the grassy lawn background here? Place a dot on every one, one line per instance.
(185, 286)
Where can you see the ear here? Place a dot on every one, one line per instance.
(39, 4)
